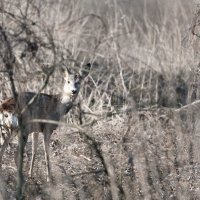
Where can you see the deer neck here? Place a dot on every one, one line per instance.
(66, 102)
(64, 106)
(65, 96)
(65, 99)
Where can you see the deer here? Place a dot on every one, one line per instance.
(45, 107)
(8, 124)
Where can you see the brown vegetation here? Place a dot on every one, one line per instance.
(129, 135)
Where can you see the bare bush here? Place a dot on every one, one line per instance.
(119, 142)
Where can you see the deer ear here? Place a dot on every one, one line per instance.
(8, 104)
(65, 71)
(85, 70)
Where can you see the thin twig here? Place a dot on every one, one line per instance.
(193, 104)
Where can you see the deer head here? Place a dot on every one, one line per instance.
(73, 82)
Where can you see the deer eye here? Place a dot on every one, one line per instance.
(6, 115)
(69, 82)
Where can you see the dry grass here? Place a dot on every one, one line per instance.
(145, 66)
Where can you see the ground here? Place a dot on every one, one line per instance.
(146, 155)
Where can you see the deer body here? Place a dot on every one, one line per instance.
(45, 107)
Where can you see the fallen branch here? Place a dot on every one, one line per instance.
(193, 104)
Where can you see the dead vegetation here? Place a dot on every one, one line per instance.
(129, 135)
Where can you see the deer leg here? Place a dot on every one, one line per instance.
(46, 141)
(34, 150)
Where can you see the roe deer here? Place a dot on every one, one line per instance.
(8, 123)
(44, 106)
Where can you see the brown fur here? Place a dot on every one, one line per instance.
(8, 105)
